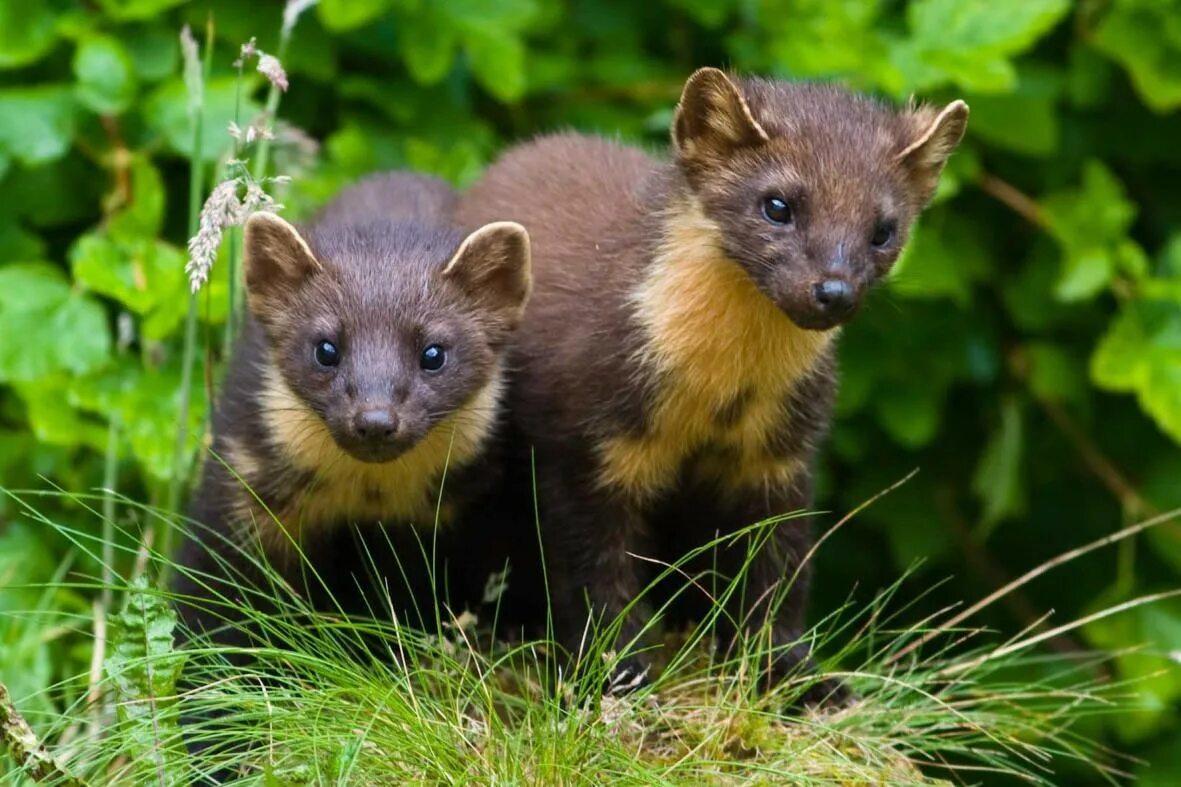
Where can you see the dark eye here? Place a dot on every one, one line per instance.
(776, 210)
(327, 353)
(433, 357)
(883, 233)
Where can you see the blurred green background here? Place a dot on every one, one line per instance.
(1026, 356)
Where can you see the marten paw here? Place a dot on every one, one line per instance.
(629, 675)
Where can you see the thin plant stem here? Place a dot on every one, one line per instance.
(263, 151)
(110, 482)
(196, 190)
(235, 296)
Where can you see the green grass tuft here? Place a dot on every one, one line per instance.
(459, 705)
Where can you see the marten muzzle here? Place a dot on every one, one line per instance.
(375, 434)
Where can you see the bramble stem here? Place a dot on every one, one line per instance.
(22, 745)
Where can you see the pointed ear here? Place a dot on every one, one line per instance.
(712, 117)
(493, 267)
(935, 136)
(278, 262)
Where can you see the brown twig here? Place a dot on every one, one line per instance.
(23, 746)
(1020, 202)
(1103, 468)
(1092, 456)
(120, 164)
(1098, 463)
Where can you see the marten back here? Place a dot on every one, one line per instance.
(392, 196)
(679, 345)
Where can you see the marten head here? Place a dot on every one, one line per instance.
(813, 188)
(387, 328)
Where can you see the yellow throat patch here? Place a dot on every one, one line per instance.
(404, 490)
(715, 338)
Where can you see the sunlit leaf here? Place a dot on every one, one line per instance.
(48, 327)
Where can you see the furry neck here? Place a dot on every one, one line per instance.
(726, 358)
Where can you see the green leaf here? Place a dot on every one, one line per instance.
(144, 215)
(53, 419)
(1090, 224)
(943, 259)
(909, 414)
(498, 63)
(1145, 38)
(1156, 629)
(1089, 79)
(342, 15)
(27, 31)
(137, 9)
(997, 481)
(16, 243)
(145, 275)
(428, 45)
(147, 401)
(1160, 486)
(1056, 375)
(105, 75)
(155, 53)
(710, 13)
(144, 669)
(492, 17)
(65, 191)
(972, 43)
(58, 329)
(1024, 121)
(167, 112)
(36, 123)
(1160, 767)
(1141, 353)
(801, 34)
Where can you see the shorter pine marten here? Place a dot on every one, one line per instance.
(674, 372)
(364, 391)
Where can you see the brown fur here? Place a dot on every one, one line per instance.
(673, 372)
(380, 274)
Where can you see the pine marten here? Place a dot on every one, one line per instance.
(674, 371)
(365, 389)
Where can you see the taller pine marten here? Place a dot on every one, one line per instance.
(369, 368)
(674, 371)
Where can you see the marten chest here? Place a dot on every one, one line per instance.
(314, 484)
(726, 362)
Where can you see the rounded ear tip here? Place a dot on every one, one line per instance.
(265, 217)
(508, 226)
(705, 75)
(504, 228)
(707, 71)
(959, 107)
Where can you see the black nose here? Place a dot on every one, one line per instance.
(834, 296)
(375, 424)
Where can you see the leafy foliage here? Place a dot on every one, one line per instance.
(144, 671)
(1026, 355)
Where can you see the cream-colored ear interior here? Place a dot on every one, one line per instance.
(713, 113)
(277, 261)
(941, 136)
(494, 264)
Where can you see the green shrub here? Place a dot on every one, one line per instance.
(1026, 355)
